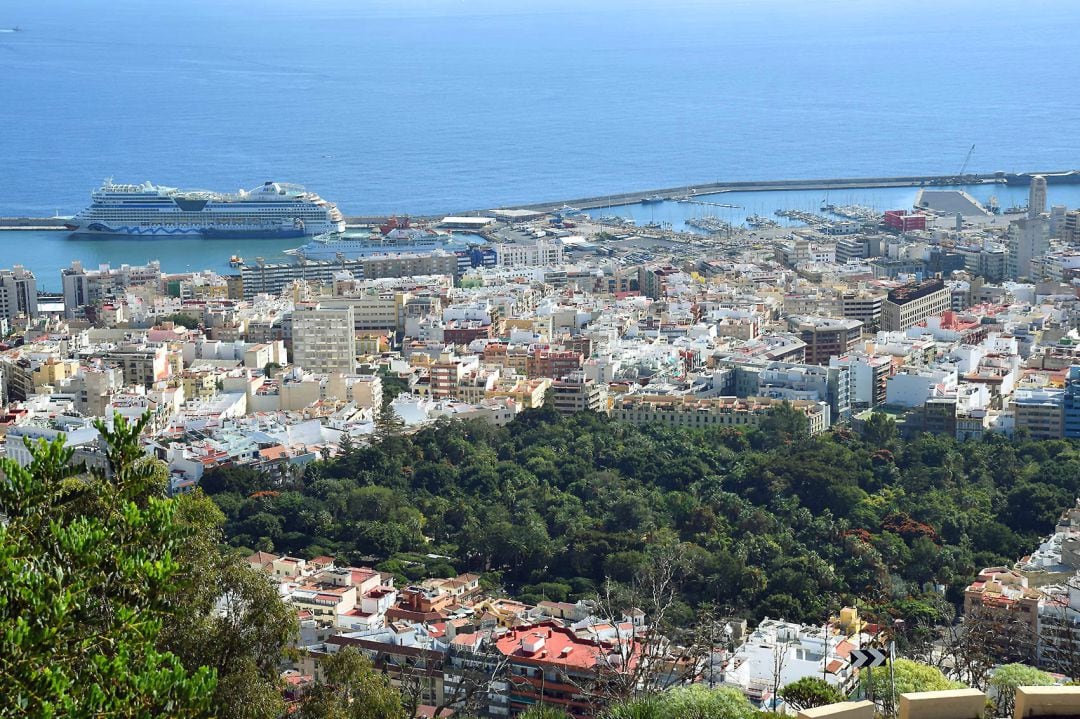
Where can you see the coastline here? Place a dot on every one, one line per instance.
(671, 193)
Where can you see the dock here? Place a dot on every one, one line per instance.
(684, 193)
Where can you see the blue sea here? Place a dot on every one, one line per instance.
(428, 106)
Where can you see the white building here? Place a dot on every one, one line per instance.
(324, 340)
(778, 653)
(913, 387)
(542, 252)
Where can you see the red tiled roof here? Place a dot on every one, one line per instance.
(275, 452)
(560, 647)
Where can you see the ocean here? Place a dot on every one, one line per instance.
(430, 106)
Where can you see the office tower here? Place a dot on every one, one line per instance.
(1037, 196)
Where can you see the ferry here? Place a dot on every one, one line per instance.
(272, 210)
(397, 241)
(649, 199)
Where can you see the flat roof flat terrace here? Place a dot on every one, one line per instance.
(950, 202)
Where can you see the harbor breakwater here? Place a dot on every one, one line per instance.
(669, 193)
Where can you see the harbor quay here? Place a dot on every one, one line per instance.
(671, 193)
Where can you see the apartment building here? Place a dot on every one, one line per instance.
(825, 337)
(324, 339)
(548, 663)
(576, 393)
(18, 294)
(864, 307)
(908, 305)
(1071, 404)
(83, 287)
(701, 413)
(1003, 594)
(141, 364)
(1039, 412)
(553, 364)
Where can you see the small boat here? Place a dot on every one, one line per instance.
(236, 261)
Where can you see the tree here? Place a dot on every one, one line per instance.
(90, 561)
(985, 638)
(476, 677)
(545, 712)
(352, 689)
(879, 430)
(690, 702)
(388, 423)
(909, 677)
(640, 662)
(783, 425)
(231, 619)
(810, 692)
(697, 702)
(1059, 633)
(1008, 677)
(270, 368)
(180, 319)
(779, 659)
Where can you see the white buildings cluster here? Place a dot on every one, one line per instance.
(835, 327)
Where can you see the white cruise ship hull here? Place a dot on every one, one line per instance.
(273, 211)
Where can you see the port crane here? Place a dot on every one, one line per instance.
(967, 159)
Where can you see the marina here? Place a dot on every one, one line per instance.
(44, 246)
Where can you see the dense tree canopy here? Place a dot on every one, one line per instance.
(775, 523)
(89, 562)
(117, 601)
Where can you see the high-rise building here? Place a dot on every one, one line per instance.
(914, 302)
(18, 294)
(1027, 239)
(324, 339)
(1037, 196)
(1057, 221)
(825, 337)
(863, 306)
(1070, 231)
(84, 287)
(1071, 404)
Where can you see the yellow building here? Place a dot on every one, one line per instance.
(199, 384)
(527, 393)
(53, 371)
(699, 413)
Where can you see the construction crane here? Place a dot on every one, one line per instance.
(966, 161)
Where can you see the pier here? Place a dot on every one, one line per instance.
(839, 183)
(684, 193)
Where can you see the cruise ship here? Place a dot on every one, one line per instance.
(273, 210)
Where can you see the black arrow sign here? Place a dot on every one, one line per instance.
(868, 658)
